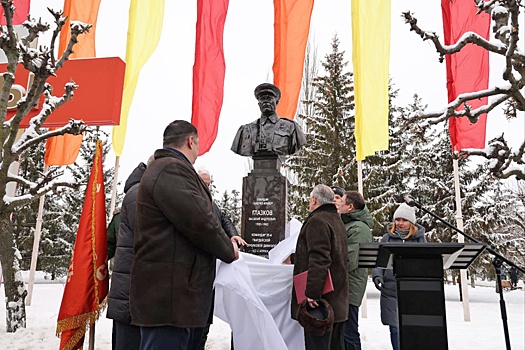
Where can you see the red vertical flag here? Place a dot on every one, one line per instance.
(87, 278)
(20, 14)
(208, 70)
(291, 28)
(467, 70)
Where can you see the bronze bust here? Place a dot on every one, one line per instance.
(269, 134)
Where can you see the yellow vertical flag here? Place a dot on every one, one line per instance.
(144, 28)
(371, 56)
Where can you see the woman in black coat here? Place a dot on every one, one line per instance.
(403, 230)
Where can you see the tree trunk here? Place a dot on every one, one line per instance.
(472, 280)
(15, 291)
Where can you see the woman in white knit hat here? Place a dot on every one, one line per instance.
(404, 229)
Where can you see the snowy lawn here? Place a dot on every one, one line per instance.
(485, 331)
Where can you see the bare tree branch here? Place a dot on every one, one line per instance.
(11, 203)
(503, 162)
(504, 14)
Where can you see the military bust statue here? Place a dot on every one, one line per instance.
(269, 134)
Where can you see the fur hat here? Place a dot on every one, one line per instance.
(406, 212)
(338, 190)
(316, 321)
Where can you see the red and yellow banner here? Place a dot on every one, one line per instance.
(291, 28)
(87, 279)
(208, 70)
(467, 70)
(20, 14)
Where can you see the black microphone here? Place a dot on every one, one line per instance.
(410, 201)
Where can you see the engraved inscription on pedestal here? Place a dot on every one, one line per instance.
(264, 212)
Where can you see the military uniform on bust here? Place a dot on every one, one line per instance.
(268, 134)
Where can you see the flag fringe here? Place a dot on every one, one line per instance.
(81, 322)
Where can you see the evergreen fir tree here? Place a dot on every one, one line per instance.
(61, 212)
(384, 173)
(329, 155)
(230, 204)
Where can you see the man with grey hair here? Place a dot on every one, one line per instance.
(322, 248)
(177, 241)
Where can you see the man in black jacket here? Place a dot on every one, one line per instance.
(125, 336)
(231, 231)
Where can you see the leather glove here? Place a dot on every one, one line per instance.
(378, 282)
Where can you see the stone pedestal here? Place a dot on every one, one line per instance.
(264, 203)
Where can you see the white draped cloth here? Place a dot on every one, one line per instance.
(253, 296)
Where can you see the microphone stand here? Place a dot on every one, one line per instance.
(497, 262)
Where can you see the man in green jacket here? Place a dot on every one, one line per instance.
(358, 223)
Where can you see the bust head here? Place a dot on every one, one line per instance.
(268, 96)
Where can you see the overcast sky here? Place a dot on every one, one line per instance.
(165, 86)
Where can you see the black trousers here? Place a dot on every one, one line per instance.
(332, 340)
(125, 336)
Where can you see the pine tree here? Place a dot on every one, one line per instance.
(230, 204)
(61, 211)
(384, 173)
(329, 155)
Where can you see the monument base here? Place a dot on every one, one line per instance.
(264, 203)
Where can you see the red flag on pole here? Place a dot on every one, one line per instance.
(87, 278)
(20, 14)
(208, 70)
(467, 70)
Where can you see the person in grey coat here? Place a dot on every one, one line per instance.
(125, 336)
(403, 230)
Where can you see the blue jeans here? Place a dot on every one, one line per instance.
(351, 332)
(164, 338)
(394, 337)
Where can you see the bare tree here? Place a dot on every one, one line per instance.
(504, 13)
(42, 63)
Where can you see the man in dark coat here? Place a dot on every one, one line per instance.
(322, 247)
(231, 231)
(177, 240)
(125, 335)
(513, 273)
(112, 233)
(358, 224)
(403, 230)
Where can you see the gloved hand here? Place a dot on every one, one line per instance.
(378, 282)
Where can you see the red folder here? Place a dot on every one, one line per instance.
(299, 282)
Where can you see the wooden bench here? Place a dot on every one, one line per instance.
(507, 285)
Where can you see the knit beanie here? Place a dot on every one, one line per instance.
(406, 212)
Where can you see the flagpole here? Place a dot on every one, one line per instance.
(114, 187)
(364, 303)
(36, 245)
(461, 239)
(92, 336)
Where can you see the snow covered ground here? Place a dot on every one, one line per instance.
(485, 331)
